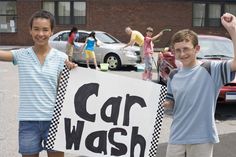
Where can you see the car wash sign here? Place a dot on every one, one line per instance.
(104, 115)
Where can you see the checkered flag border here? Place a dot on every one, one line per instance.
(158, 123)
(57, 109)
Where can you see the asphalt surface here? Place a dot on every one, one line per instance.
(226, 147)
(226, 123)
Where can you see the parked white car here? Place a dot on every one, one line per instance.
(110, 50)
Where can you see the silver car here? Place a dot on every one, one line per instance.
(109, 51)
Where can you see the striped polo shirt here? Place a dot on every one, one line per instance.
(38, 83)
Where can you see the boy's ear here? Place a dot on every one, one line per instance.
(197, 48)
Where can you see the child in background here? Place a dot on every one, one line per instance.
(148, 52)
(70, 42)
(88, 47)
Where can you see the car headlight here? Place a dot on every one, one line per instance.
(128, 52)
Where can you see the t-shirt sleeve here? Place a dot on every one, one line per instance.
(133, 36)
(169, 95)
(221, 72)
(16, 55)
(63, 57)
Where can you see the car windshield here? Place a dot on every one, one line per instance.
(215, 48)
(106, 38)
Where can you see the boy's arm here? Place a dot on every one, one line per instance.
(229, 22)
(6, 56)
(157, 36)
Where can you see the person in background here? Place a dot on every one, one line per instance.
(88, 47)
(135, 37)
(39, 69)
(70, 42)
(192, 92)
(148, 53)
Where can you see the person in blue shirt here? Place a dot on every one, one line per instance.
(192, 92)
(39, 69)
(88, 47)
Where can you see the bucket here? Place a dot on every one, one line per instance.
(104, 66)
(140, 67)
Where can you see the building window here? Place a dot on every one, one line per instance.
(49, 6)
(64, 13)
(79, 12)
(214, 13)
(230, 8)
(8, 18)
(199, 14)
(67, 12)
(208, 14)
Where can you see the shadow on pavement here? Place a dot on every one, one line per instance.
(124, 68)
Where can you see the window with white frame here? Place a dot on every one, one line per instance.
(214, 13)
(64, 13)
(79, 12)
(199, 14)
(67, 12)
(208, 14)
(8, 16)
(49, 6)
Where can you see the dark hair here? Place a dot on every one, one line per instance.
(73, 29)
(42, 14)
(92, 34)
(184, 35)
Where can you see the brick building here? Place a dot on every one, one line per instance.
(112, 16)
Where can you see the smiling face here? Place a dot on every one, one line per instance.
(149, 33)
(41, 31)
(184, 44)
(186, 53)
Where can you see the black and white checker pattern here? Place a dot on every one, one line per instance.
(57, 109)
(158, 123)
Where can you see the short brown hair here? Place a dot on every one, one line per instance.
(42, 14)
(184, 35)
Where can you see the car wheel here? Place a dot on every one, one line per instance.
(113, 60)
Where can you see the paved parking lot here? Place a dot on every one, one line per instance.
(8, 118)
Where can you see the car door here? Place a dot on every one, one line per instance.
(59, 42)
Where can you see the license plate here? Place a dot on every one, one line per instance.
(230, 96)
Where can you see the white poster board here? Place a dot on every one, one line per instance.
(102, 114)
